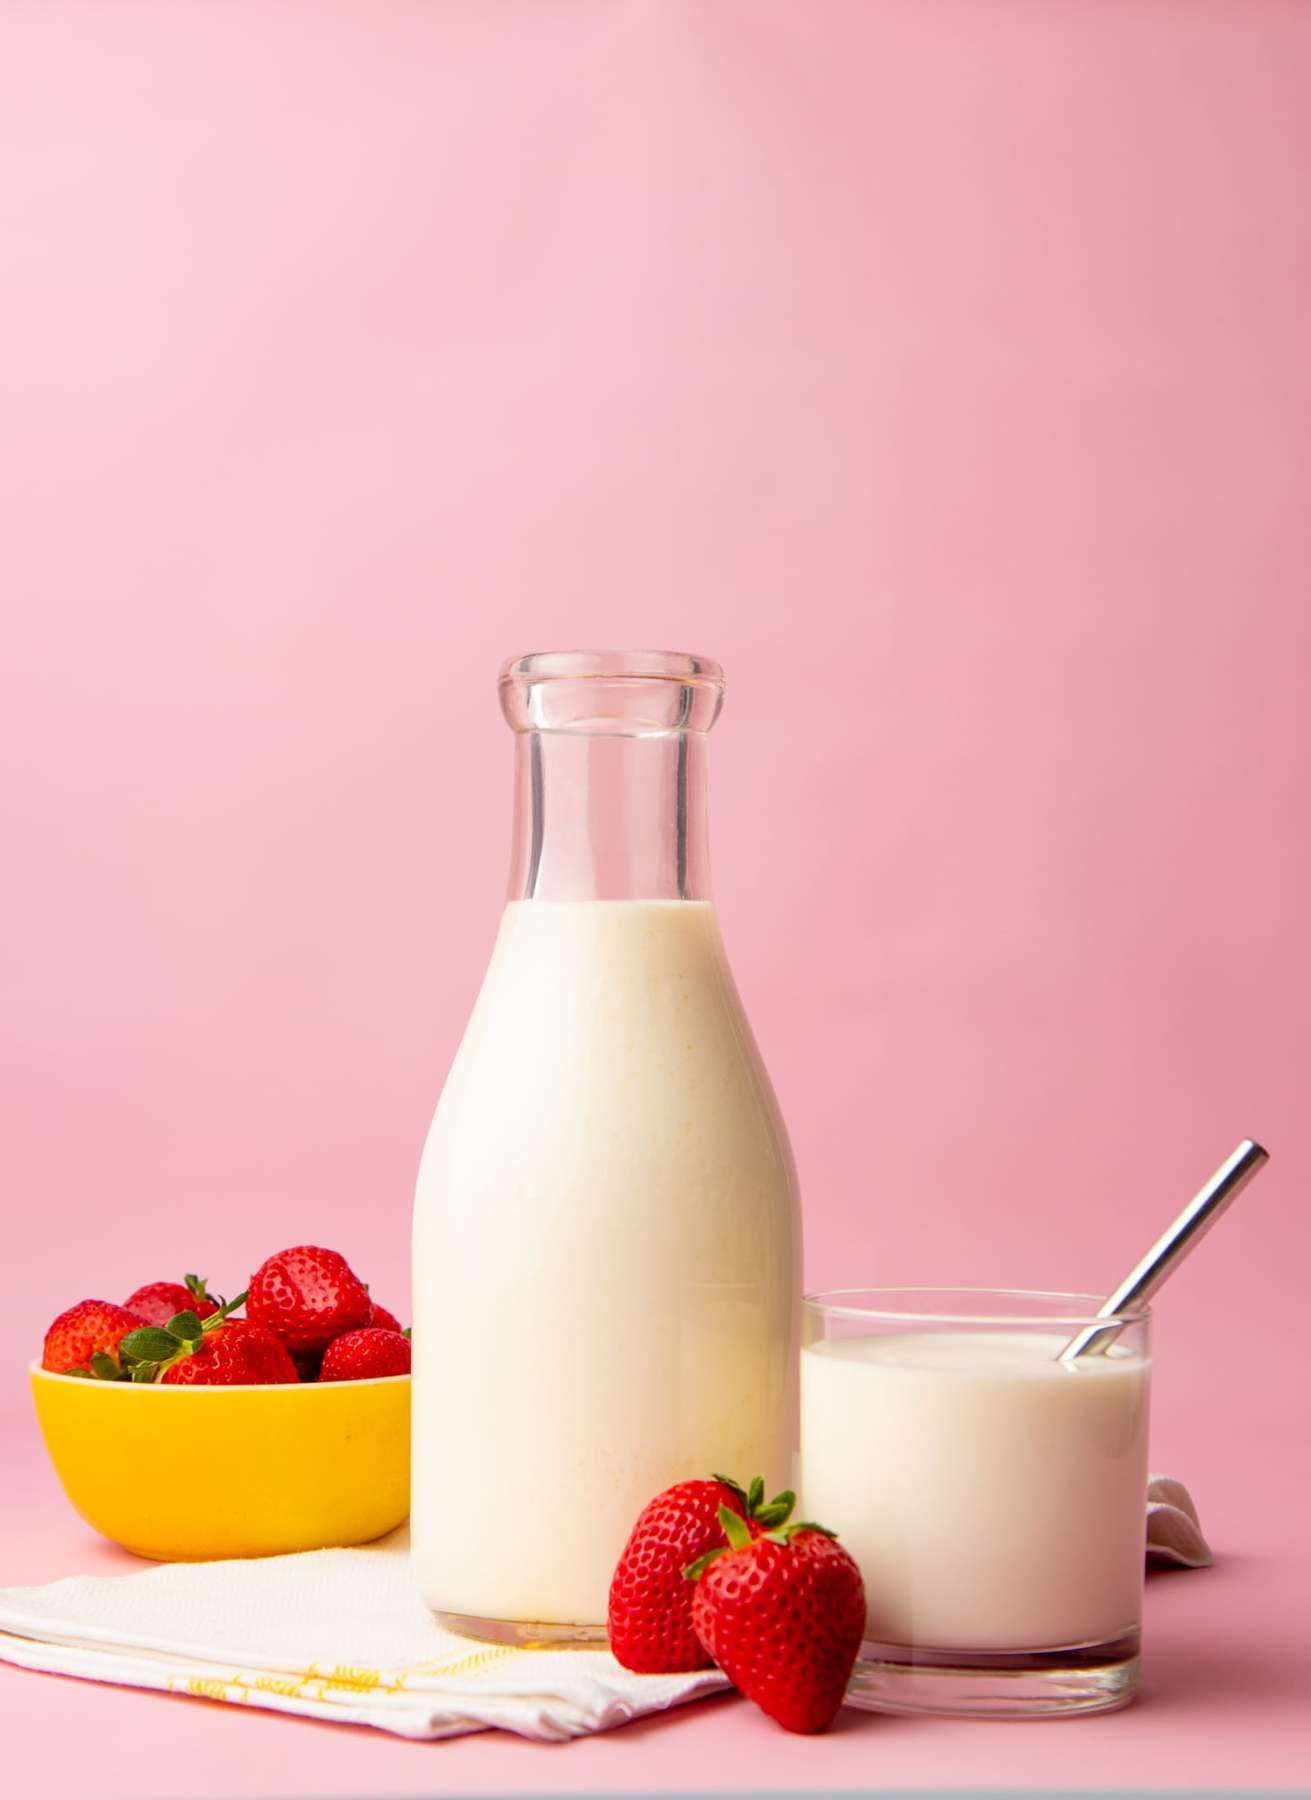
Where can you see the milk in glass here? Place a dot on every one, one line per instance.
(992, 1494)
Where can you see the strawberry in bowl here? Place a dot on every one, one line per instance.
(307, 1296)
(85, 1339)
(366, 1355)
(156, 1302)
(127, 1398)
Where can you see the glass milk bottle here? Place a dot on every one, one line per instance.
(606, 1234)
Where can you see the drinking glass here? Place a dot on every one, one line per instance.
(993, 1494)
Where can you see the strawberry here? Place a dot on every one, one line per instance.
(307, 1296)
(650, 1615)
(217, 1352)
(85, 1340)
(386, 1321)
(783, 1614)
(237, 1354)
(158, 1301)
(362, 1355)
(308, 1363)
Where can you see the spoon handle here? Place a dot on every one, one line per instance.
(1171, 1247)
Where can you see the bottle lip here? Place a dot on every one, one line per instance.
(624, 693)
(613, 665)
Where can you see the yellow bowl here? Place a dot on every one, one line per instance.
(186, 1474)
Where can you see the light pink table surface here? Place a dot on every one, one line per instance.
(1223, 1704)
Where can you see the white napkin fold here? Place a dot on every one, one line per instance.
(332, 1634)
(1174, 1533)
(342, 1634)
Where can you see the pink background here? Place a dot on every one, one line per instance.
(941, 368)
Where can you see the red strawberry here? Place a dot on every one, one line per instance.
(362, 1355)
(214, 1352)
(158, 1301)
(783, 1615)
(308, 1296)
(91, 1329)
(236, 1354)
(650, 1622)
(386, 1321)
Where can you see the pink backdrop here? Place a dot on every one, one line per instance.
(943, 369)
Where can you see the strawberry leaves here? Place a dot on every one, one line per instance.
(752, 1499)
(788, 1532)
(736, 1529)
(770, 1521)
(102, 1368)
(151, 1343)
(146, 1353)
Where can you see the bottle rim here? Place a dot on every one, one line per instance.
(611, 693)
(682, 666)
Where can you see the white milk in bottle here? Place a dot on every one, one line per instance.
(606, 1240)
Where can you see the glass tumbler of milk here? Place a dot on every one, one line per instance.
(606, 1234)
(993, 1494)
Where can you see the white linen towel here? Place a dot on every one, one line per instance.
(332, 1634)
(343, 1634)
(1174, 1533)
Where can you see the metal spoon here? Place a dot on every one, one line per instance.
(1170, 1248)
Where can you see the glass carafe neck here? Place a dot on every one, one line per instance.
(610, 791)
(609, 818)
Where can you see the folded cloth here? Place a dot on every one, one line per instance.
(343, 1634)
(1174, 1533)
(332, 1634)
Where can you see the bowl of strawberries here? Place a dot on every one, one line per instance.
(187, 1427)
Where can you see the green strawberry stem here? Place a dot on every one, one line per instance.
(738, 1531)
(774, 1514)
(734, 1487)
(154, 1348)
(786, 1534)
